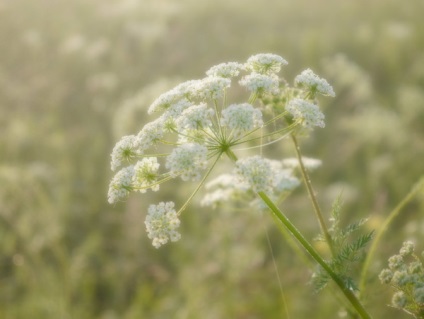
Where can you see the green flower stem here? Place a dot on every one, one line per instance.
(308, 247)
(279, 215)
(418, 186)
(317, 210)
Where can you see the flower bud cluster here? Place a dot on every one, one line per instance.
(406, 275)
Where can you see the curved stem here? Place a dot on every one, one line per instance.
(308, 183)
(394, 213)
(315, 255)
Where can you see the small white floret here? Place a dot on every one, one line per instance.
(265, 63)
(125, 150)
(307, 113)
(260, 83)
(314, 83)
(146, 174)
(225, 70)
(121, 185)
(188, 161)
(161, 224)
(241, 118)
(256, 172)
(195, 117)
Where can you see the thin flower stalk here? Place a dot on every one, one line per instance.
(308, 183)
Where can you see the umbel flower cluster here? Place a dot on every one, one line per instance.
(406, 275)
(198, 122)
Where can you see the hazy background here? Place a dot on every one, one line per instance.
(77, 75)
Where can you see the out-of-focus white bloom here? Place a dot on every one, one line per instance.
(265, 63)
(187, 160)
(233, 186)
(125, 150)
(223, 180)
(121, 184)
(211, 88)
(225, 187)
(217, 196)
(241, 118)
(419, 295)
(146, 174)
(309, 163)
(399, 300)
(256, 172)
(407, 249)
(225, 70)
(161, 223)
(314, 83)
(282, 178)
(260, 83)
(195, 117)
(308, 113)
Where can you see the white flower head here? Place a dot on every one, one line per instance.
(177, 108)
(260, 83)
(121, 184)
(265, 63)
(225, 70)
(125, 150)
(188, 160)
(189, 88)
(165, 101)
(146, 174)
(161, 223)
(407, 248)
(211, 88)
(151, 133)
(308, 113)
(256, 172)
(241, 118)
(314, 83)
(195, 117)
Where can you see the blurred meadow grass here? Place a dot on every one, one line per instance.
(77, 75)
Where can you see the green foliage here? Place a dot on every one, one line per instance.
(347, 250)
